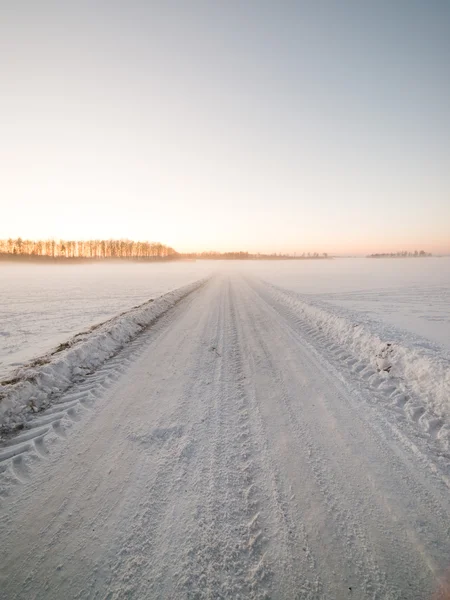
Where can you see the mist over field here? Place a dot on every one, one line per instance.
(43, 305)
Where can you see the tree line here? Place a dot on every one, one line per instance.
(239, 255)
(86, 249)
(402, 254)
(124, 248)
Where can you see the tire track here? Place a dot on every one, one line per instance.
(355, 566)
(46, 427)
(425, 501)
(384, 388)
(228, 559)
(150, 555)
(297, 575)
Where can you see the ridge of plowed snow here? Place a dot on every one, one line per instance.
(35, 384)
(421, 372)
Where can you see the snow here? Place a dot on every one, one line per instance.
(36, 385)
(409, 299)
(41, 306)
(248, 444)
(422, 371)
(392, 314)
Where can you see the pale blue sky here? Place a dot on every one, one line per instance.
(254, 125)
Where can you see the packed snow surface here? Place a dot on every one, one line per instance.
(247, 441)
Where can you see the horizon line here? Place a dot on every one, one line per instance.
(89, 247)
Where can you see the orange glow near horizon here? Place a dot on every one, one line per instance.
(212, 140)
(337, 247)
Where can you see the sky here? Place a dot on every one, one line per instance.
(282, 126)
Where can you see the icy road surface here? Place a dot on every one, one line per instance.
(229, 451)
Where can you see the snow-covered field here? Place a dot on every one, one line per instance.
(396, 297)
(42, 306)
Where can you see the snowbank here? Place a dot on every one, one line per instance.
(423, 373)
(36, 384)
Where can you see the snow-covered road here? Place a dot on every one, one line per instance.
(229, 451)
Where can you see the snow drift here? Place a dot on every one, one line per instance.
(35, 385)
(420, 372)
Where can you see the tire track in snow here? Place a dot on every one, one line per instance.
(226, 560)
(234, 468)
(297, 574)
(46, 427)
(353, 565)
(149, 555)
(388, 390)
(420, 434)
(425, 500)
(137, 519)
